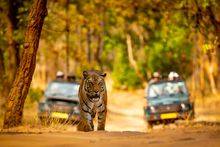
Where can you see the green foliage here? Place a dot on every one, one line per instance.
(34, 95)
(123, 75)
(125, 78)
(170, 49)
(161, 36)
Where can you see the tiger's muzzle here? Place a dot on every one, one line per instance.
(94, 97)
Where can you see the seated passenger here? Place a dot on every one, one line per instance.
(59, 76)
(156, 77)
(173, 76)
(154, 91)
(71, 77)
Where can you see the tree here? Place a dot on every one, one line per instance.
(21, 84)
(2, 72)
(152, 35)
(11, 50)
(203, 17)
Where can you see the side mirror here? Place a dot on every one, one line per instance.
(145, 97)
(189, 96)
(40, 104)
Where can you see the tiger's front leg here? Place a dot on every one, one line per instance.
(102, 119)
(86, 122)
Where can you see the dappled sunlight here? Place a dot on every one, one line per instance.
(149, 50)
(125, 113)
(207, 108)
(125, 125)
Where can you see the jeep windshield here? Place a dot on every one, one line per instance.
(167, 89)
(62, 89)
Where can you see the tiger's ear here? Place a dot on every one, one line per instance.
(103, 75)
(85, 74)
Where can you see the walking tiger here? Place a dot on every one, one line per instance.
(93, 99)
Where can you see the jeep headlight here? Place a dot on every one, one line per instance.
(76, 110)
(152, 109)
(184, 106)
(43, 107)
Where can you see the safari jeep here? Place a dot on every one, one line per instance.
(167, 101)
(60, 102)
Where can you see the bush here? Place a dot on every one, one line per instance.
(126, 79)
(124, 76)
(34, 95)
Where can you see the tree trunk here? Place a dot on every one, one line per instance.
(202, 75)
(130, 53)
(88, 37)
(210, 72)
(195, 75)
(215, 58)
(12, 49)
(77, 50)
(21, 84)
(67, 37)
(2, 72)
(131, 59)
(2, 65)
(218, 62)
(100, 45)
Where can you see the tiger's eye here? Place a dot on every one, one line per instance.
(89, 80)
(90, 83)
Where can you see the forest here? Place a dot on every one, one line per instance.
(129, 39)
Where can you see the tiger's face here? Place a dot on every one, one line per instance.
(94, 85)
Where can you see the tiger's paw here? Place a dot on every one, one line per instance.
(101, 128)
(84, 127)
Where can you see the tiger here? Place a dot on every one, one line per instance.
(92, 99)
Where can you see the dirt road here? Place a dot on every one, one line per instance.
(125, 128)
(186, 136)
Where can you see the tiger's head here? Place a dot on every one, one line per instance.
(94, 84)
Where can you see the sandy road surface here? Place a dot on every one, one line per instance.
(125, 128)
(187, 136)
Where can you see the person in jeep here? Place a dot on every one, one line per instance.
(156, 77)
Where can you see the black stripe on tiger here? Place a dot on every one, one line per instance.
(86, 111)
(86, 103)
(89, 98)
(102, 111)
(100, 105)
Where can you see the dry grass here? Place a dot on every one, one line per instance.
(31, 123)
(207, 108)
(124, 106)
(211, 101)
